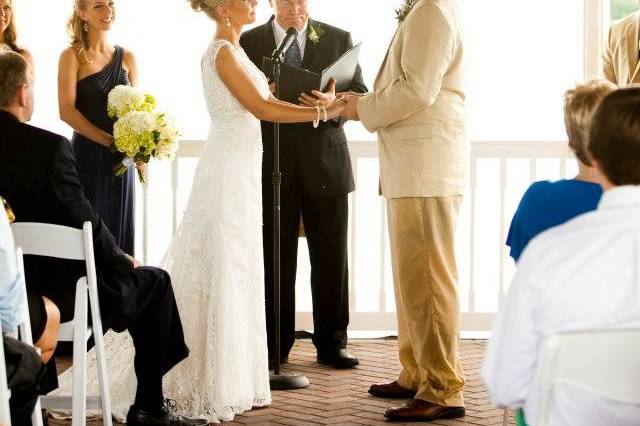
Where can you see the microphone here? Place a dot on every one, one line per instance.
(277, 55)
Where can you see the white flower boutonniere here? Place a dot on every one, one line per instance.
(315, 32)
(405, 9)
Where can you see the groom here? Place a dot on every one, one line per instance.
(316, 181)
(418, 109)
(38, 178)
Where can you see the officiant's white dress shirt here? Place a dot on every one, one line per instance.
(280, 33)
(584, 274)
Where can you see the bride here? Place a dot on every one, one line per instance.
(216, 258)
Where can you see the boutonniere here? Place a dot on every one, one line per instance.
(315, 33)
(8, 211)
(404, 10)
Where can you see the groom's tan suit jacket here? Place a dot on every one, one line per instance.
(418, 106)
(620, 59)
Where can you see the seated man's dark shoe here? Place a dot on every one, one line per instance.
(340, 358)
(418, 410)
(167, 415)
(391, 390)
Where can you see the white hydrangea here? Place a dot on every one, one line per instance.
(123, 99)
(168, 140)
(140, 132)
(134, 134)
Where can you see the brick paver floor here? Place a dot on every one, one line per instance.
(339, 397)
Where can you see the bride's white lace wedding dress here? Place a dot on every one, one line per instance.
(216, 264)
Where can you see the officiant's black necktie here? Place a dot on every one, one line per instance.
(293, 56)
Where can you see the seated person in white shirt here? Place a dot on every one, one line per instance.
(581, 275)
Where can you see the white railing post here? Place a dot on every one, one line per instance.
(174, 194)
(472, 231)
(501, 245)
(596, 26)
(145, 218)
(382, 302)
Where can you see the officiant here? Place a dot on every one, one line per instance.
(316, 180)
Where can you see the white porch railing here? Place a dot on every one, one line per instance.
(499, 174)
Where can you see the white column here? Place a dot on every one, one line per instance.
(596, 29)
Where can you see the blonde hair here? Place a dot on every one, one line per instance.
(79, 39)
(11, 34)
(580, 105)
(207, 6)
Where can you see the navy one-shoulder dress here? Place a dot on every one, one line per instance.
(113, 198)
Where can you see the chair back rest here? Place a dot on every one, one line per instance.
(603, 362)
(25, 327)
(44, 239)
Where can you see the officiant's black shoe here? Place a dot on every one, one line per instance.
(166, 416)
(340, 358)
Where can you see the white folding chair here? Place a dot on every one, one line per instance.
(24, 330)
(611, 369)
(73, 244)
(5, 393)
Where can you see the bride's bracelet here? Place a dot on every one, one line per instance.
(316, 122)
(324, 112)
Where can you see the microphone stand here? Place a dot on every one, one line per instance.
(277, 379)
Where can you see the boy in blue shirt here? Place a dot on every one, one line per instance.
(547, 204)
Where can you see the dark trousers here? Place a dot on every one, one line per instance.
(155, 328)
(156, 333)
(26, 377)
(325, 223)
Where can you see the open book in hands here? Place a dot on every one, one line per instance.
(294, 81)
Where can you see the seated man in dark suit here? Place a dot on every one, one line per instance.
(39, 180)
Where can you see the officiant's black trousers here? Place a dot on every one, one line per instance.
(325, 223)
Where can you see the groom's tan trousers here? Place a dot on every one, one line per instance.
(421, 232)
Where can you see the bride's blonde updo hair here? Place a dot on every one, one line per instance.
(207, 6)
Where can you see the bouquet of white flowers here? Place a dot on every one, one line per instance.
(140, 132)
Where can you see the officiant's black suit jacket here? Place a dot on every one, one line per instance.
(319, 158)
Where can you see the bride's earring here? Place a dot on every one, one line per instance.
(86, 27)
(228, 22)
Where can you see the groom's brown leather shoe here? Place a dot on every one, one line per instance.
(418, 410)
(391, 390)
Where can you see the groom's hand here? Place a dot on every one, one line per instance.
(319, 98)
(350, 111)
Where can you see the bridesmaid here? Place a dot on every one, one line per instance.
(88, 70)
(8, 32)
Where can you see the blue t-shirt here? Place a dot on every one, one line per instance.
(548, 204)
